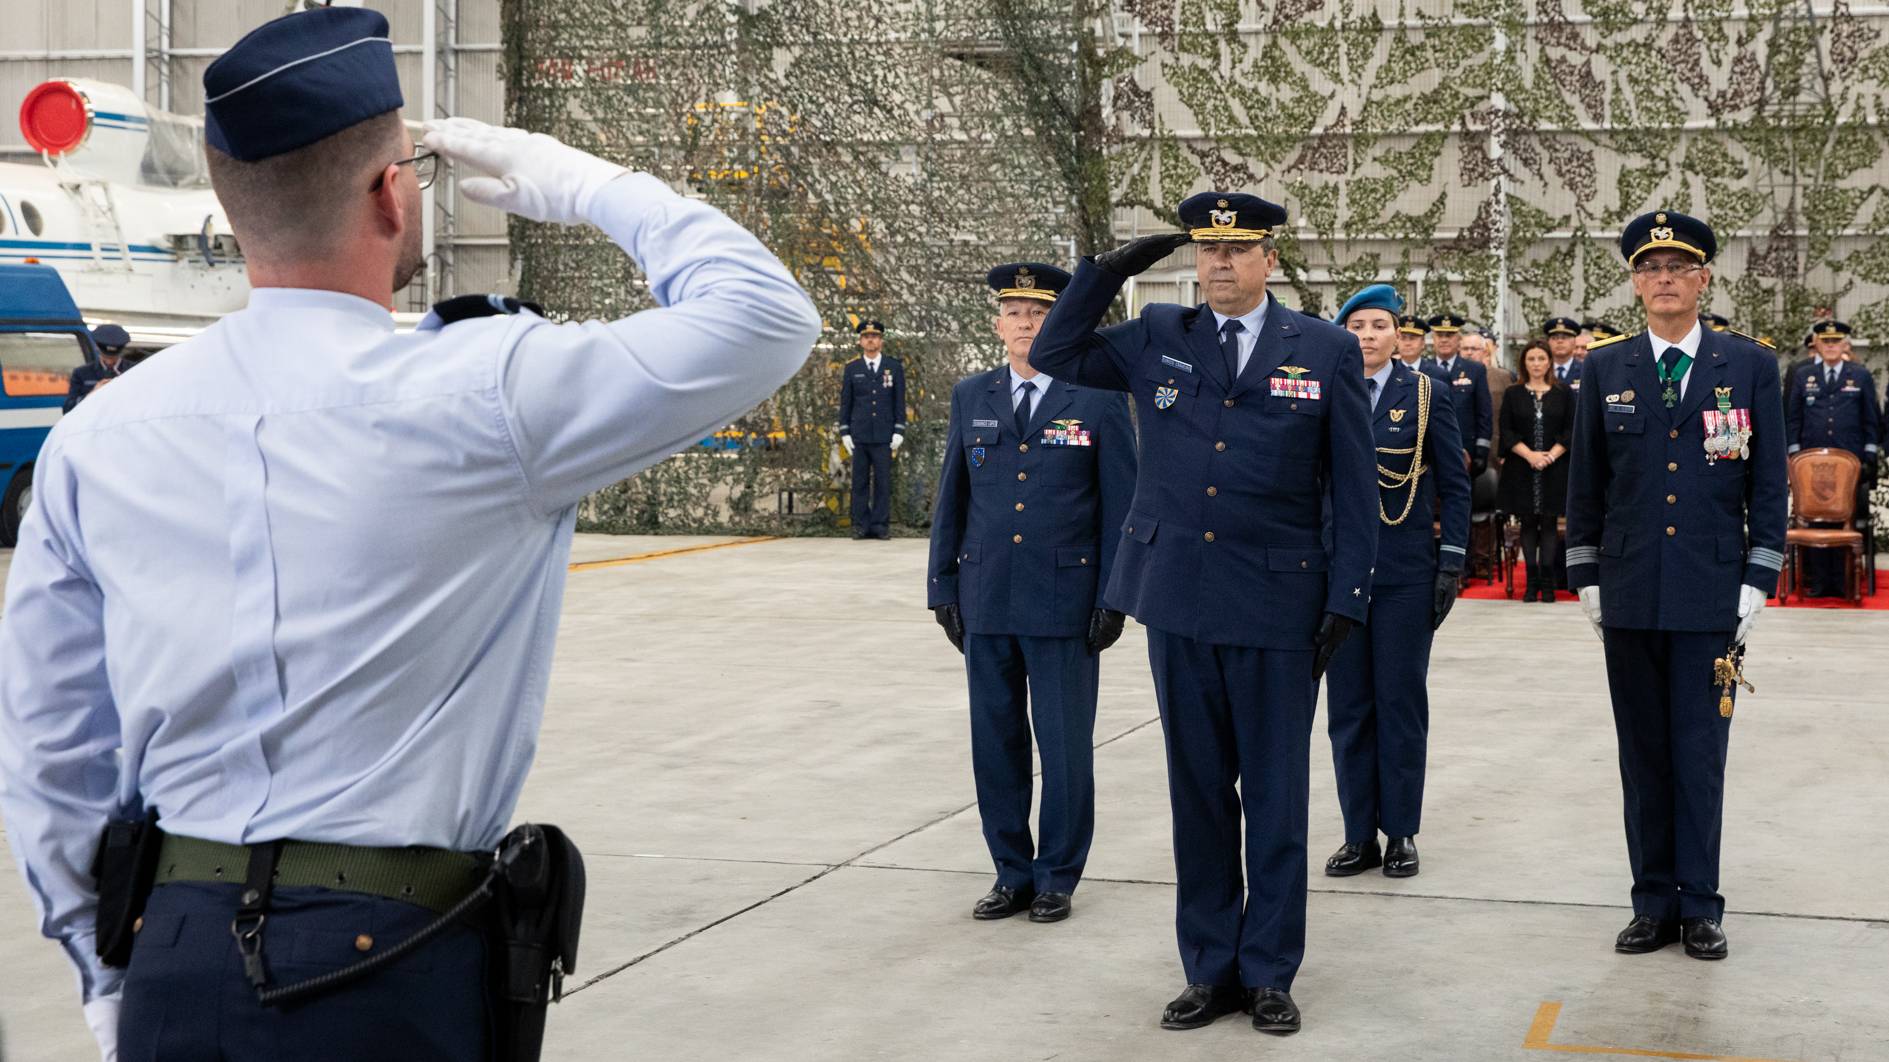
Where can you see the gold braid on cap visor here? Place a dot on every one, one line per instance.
(1027, 293)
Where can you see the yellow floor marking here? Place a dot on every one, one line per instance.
(1550, 1012)
(638, 558)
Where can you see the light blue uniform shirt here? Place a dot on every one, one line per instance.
(306, 571)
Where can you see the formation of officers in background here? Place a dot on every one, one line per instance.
(1292, 499)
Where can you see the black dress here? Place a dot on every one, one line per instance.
(1540, 423)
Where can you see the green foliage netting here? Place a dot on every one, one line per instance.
(891, 154)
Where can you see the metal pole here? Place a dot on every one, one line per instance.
(429, 78)
(1498, 127)
(137, 49)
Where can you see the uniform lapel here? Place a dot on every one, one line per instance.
(1055, 401)
(1396, 389)
(1203, 338)
(1707, 370)
(1644, 378)
(1270, 351)
(997, 399)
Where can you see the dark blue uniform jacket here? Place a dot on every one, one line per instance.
(1409, 552)
(872, 405)
(1845, 416)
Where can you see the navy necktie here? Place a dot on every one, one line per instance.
(1023, 409)
(1230, 347)
(1370, 390)
(1830, 377)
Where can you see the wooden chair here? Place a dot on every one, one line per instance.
(1823, 492)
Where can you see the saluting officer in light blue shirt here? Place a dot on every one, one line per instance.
(300, 578)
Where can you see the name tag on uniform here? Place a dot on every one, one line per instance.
(1176, 363)
(980, 423)
(1620, 407)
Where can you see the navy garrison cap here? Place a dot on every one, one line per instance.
(1667, 228)
(1447, 323)
(1374, 297)
(110, 338)
(1230, 217)
(869, 328)
(298, 79)
(1412, 325)
(1561, 326)
(1027, 280)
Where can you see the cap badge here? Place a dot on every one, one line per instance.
(1224, 219)
(1662, 233)
(1024, 280)
(1660, 217)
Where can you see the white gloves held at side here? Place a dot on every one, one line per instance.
(847, 441)
(529, 174)
(897, 441)
(1750, 603)
(101, 1016)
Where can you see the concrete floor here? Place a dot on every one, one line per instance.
(763, 751)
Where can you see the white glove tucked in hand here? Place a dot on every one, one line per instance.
(847, 441)
(101, 1016)
(897, 440)
(532, 175)
(1750, 603)
(1590, 604)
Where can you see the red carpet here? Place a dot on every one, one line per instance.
(1479, 590)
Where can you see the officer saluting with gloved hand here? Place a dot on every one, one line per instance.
(296, 593)
(1252, 416)
(1676, 509)
(1038, 474)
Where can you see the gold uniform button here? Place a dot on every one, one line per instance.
(1209, 536)
(1023, 448)
(1672, 466)
(1019, 506)
(1305, 564)
(1212, 491)
(1227, 402)
(1292, 405)
(1170, 379)
(1671, 531)
(1671, 498)
(138, 926)
(363, 943)
(1085, 560)
(1023, 475)
(1131, 530)
(1673, 434)
(1219, 446)
(1016, 538)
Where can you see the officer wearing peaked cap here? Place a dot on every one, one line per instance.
(1410, 332)
(1466, 383)
(321, 744)
(1377, 699)
(1038, 475)
(1831, 401)
(1252, 415)
(1676, 508)
(111, 341)
(872, 428)
(1561, 333)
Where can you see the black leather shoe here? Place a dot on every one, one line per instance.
(1400, 857)
(1705, 938)
(1531, 594)
(1645, 933)
(1352, 859)
(1274, 1012)
(1050, 907)
(1202, 1005)
(1002, 902)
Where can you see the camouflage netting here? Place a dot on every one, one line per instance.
(1480, 155)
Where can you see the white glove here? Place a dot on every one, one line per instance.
(1750, 603)
(101, 1016)
(532, 175)
(897, 439)
(847, 441)
(1590, 604)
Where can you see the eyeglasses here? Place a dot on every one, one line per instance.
(1671, 269)
(425, 168)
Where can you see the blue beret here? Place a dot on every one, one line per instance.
(1561, 326)
(110, 335)
(298, 79)
(1027, 280)
(1373, 297)
(1667, 228)
(1230, 217)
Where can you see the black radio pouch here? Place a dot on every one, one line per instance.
(539, 910)
(124, 869)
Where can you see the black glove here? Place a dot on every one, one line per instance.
(1105, 629)
(1332, 632)
(1479, 464)
(953, 623)
(1134, 257)
(1446, 586)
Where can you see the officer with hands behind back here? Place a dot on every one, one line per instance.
(1038, 475)
(1252, 416)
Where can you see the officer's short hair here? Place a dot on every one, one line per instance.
(298, 204)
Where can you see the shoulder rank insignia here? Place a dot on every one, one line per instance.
(467, 307)
(1599, 343)
(1165, 397)
(1765, 343)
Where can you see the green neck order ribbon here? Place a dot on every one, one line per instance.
(1670, 380)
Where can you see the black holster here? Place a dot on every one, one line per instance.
(124, 869)
(538, 910)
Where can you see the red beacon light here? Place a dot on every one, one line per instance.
(55, 118)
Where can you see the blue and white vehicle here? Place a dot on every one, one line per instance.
(42, 339)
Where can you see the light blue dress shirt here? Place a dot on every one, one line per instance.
(300, 575)
(1382, 376)
(1250, 322)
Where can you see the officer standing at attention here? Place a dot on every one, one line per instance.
(1038, 475)
(1252, 416)
(1832, 402)
(1466, 384)
(1561, 332)
(111, 341)
(370, 531)
(872, 427)
(1410, 332)
(1376, 694)
(1676, 500)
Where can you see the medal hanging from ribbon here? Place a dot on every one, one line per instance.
(1727, 430)
(1669, 380)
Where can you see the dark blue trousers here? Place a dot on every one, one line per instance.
(1237, 717)
(1380, 714)
(186, 996)
(1016, 681)
(1672, 766)
(872, 487)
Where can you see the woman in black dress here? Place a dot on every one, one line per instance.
(1536, 423)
